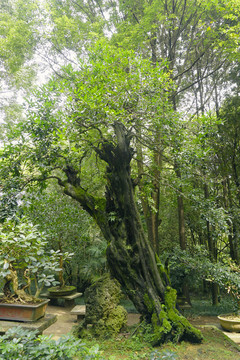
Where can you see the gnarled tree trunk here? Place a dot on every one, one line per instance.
(129, 254)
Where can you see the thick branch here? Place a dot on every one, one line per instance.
(96, 207)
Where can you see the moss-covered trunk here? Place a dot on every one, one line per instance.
(130, 257)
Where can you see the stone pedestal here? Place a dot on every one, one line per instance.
(38, 325)
(69, 300)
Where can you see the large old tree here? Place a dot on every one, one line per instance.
(106, 127)
(84, 129)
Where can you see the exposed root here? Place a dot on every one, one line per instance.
(19, 295)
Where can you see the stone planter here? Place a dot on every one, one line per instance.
(230, 322)
(23, 312)
(56, 291)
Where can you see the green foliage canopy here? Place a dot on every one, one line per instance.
(70, 117)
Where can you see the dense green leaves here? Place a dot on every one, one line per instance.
(23, 252)
(18, 37)
(195, 267)
(70, 229)
(71, 116)
(25, 343)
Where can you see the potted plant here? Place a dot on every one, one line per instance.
(26, 267)
(231, 322)
(62, 289)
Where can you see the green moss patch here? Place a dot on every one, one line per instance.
(215, 346)
(104, 316)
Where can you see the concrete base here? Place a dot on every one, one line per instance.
(38, 325)
(233, 336)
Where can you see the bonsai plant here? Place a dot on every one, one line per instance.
(25, 265)
(231, 322)
(62, 288)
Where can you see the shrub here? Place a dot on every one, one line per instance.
(18, 343)
(197, 266)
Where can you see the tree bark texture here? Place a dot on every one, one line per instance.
(212, 253)
(151, 216)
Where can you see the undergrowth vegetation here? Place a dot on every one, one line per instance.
(203, 307)
(22, 344)
(19, 343)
